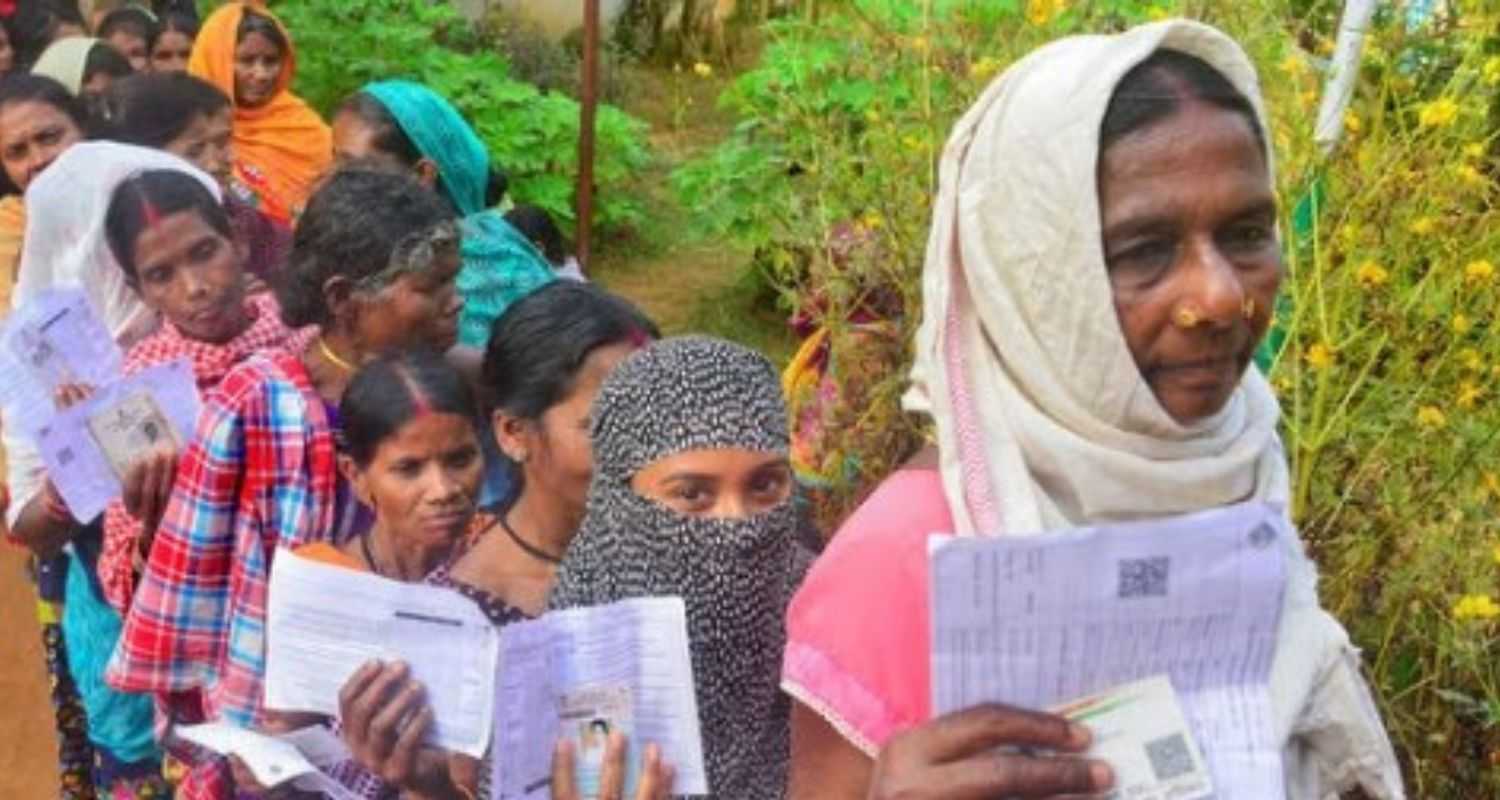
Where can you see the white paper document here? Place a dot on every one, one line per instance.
(586, 672)
(1036, 621)
(297, 757)
(52, 340)
(1140, 730)
(88, 448)
(324, 622)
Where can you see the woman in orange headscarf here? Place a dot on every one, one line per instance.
(281, 145)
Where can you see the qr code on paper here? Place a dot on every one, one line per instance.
(1170, 757)
(1144, 577)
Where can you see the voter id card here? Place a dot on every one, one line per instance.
(1140, 731)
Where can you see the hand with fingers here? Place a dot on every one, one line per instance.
(148, 486)
(958, 757)
(655, 782)
(385, 718)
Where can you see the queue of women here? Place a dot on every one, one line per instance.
(395, 381)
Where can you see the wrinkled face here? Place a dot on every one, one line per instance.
(725, 484)
(417, 309)
(554, 452)
(423, 481)
(133, 47)
(171, 52)
(193, 276)
(257, 67)
(206, 144)
(1189, 222)
(7, 53)
(32, 135)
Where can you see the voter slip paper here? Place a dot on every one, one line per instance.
(1039, 621)
(1140, 731)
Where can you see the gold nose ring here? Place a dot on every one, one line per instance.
(1248, 309)
(1186, 317)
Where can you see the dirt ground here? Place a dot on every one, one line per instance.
(28, 750)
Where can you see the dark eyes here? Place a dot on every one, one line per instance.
(204, 250)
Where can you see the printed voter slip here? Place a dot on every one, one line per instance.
(589, 716)
(1140, 731)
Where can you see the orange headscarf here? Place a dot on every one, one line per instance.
(280, 148)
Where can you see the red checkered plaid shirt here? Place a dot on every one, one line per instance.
(211, 362)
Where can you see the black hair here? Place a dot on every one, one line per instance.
(537, 226)
(133, 20)
(23, 87)
(178, 22)
(390, 391)
(390, 138)
(349, 229)
(538, 345)
(35, 25)
(150, 195)
(152, 109)
(252, 22)
(105, 60)
(1159, 86)
(186, 9)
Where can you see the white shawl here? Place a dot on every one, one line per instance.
(1043, 419)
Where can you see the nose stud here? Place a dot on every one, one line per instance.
(1248, 309)
(1186, 317)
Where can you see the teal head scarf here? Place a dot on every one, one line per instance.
(500, 266)
(441, 134)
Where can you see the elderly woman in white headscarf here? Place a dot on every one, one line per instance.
(1102, 263)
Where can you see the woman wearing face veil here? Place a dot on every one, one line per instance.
(691, 496)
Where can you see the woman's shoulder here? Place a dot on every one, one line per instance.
(273, 380)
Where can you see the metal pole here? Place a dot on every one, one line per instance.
(585, 190)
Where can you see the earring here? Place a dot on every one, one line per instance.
(1248, 309)
(1186, 317)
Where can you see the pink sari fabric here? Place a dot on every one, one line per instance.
(857, 631)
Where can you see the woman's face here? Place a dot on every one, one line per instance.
(171, 52)
(133, 47)
(32, 135)
(257, 68)
(1189, 221)
(554, 451)
(417, 309)
(193, 275)
(723, 483)
(206, 143)
(354, 140)
(423, 480)
(7, 52)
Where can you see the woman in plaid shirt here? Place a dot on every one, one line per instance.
(372, 265)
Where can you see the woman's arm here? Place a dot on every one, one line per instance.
(825, 766)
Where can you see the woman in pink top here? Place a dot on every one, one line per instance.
(1102, 264)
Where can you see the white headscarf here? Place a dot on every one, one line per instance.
(66, 60)
(64, 246)
(1043, 419)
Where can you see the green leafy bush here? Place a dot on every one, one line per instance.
(532, 135)
(1391, 359)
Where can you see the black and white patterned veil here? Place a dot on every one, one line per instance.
(735, 576)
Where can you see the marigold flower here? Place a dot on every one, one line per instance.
(1431, 417)
(1479, 271)
(1041, 12)
(1292, 65)
(1475, 606)
(1319, 356)
(703, 69)
(1469, 174)
(1439, 113)
(1474, 150)
(1469, 395)
(1371, 275)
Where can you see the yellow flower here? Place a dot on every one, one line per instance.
(1431, 417)
(1479, 271)
(873, 220)
(1372, 275)
(1469, 174)
(919, 43)
(1439, 113)
(1475, 606)
(703, 69)
(1041, 12)
(1352, 123)
(911, 142)
(1495, 553)
(1319, 356)
(1462, 324)
(984, 69)
(1157, 13)
(1422, 226)
(1471, 359)
(1292, 65)
(1474, 150)
(1469, 395)
(1491, 71)
(1325, 46)
(1489, 486)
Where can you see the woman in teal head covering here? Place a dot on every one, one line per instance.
(407, 126)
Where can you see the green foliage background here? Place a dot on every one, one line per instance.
(1389, 365)
(532, 135)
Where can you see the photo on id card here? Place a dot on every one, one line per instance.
(128, 427)
(589, 716)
